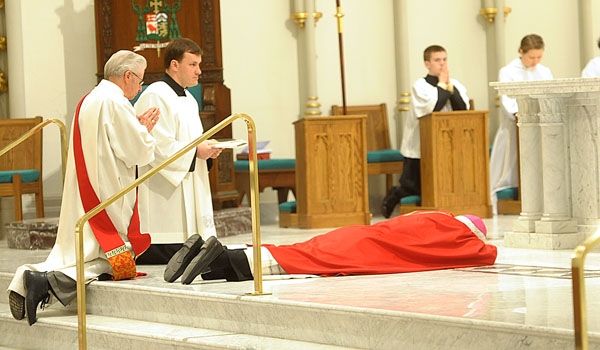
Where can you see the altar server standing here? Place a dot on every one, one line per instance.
(176, 203)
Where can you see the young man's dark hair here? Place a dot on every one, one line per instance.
(431, 49)
(178, 47)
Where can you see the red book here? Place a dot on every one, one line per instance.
(246, 156)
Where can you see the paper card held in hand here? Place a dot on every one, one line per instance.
(229, 143)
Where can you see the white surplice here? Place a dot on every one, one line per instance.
(113, 142)
(503, 160)
(423, 100)
(592, 68)
(175, 203)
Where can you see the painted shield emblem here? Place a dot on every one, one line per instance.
(157, 26)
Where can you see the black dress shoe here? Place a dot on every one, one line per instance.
(181, 259)
(17, 305)
(36, 284)
(391, 199)
(211, 249)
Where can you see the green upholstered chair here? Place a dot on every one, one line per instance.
(21, 167)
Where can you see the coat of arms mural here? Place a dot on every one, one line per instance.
(157, 21)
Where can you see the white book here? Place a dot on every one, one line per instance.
(229, 144)
(261, 147)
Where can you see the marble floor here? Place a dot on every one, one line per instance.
(526, 287)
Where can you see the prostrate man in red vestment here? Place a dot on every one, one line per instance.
(418, 241)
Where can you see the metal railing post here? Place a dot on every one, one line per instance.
(578, 282)
(81, 297)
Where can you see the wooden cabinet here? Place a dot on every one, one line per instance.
(455, 163)
(331, 172)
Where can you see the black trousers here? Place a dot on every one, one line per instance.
(410, 180)
(63, 287)
(158, 254)
(232, 265)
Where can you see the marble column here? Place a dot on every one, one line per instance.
(586, 32)
(401, 39)
(530, 154)
(556, 217)
(303, 13)
(312, 105)
(499, 35)
(559, 162)
(584, 158)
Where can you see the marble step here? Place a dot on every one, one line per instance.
(108, 326)
(143, 311)
(58, 330)
(180, 309)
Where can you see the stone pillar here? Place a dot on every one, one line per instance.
(584, 159)
(586, 32)
(566, 181)
(530, 155)
(312, 106)
(499, 35)
(401, 39)
(557, 208)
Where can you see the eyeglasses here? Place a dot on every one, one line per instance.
(141, 81)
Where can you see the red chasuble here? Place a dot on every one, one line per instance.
(419, 241)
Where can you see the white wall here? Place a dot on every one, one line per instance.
(557, 22)
(52, 57)
(51, 60)
(458, 27)
(260, 67)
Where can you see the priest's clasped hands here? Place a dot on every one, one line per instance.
(149, 118)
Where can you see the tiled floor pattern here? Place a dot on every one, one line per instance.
(530, 271)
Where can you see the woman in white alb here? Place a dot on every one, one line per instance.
(504, 170)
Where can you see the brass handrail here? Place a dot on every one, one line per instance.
(578, 280)
(253, 167)
(40, 126)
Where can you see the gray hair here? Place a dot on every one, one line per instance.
(123, 61)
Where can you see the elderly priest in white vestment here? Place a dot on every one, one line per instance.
(107, 142)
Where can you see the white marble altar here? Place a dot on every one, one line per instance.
(559, 161)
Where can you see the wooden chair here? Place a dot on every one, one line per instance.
(21, 167)
(381, 159)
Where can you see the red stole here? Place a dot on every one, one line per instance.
(119, 257)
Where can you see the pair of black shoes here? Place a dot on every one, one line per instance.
(193, 259)
(37, 291)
